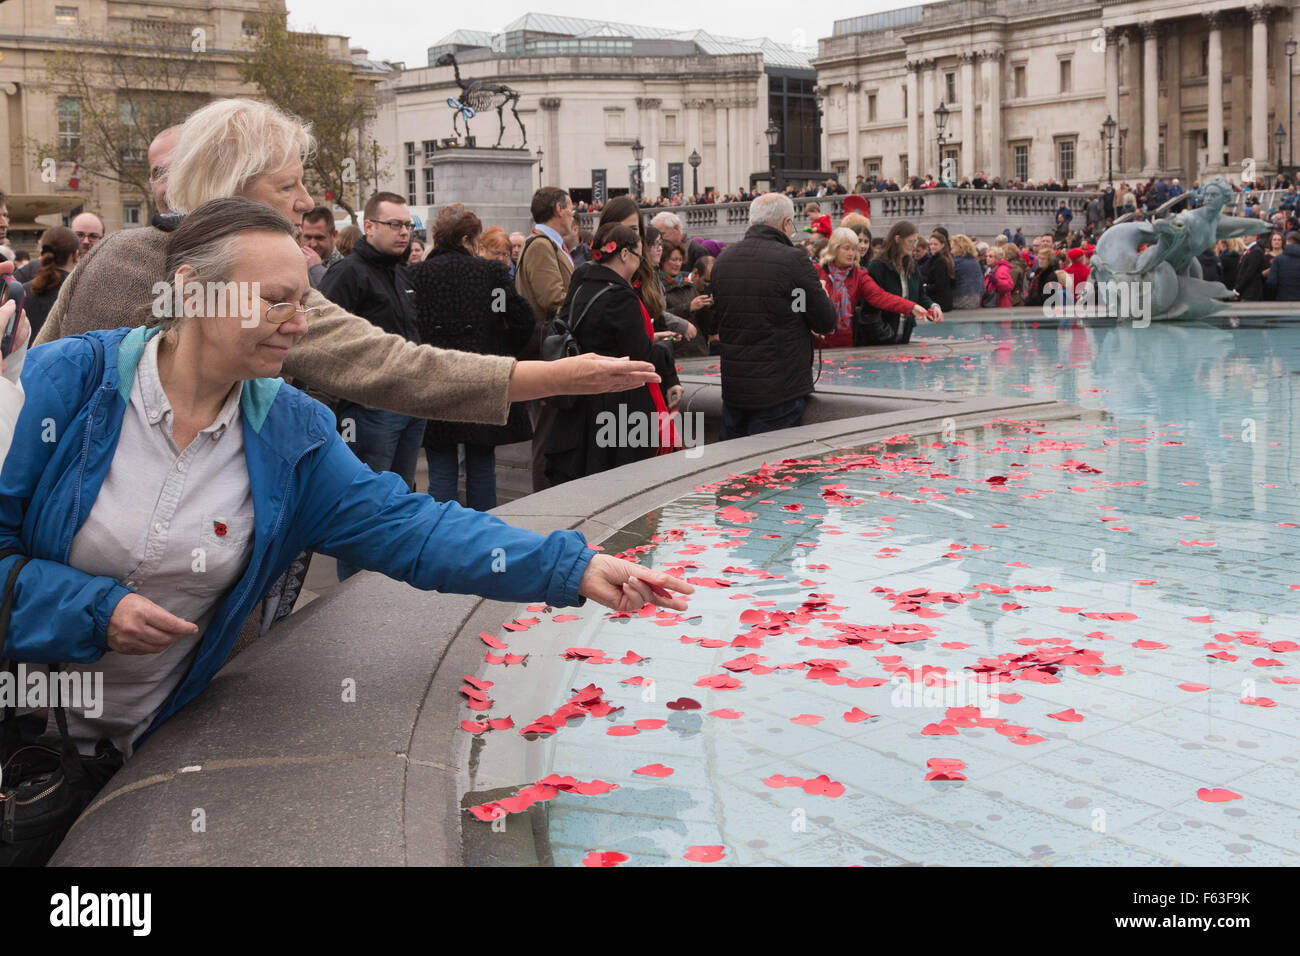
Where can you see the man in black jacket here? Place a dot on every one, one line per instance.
(373, 282)
(767, 302)
(1250, 279)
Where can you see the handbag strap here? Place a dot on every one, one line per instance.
(573, 329)
(10, 721)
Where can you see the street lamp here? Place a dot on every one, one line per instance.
(695, 160)
(773, 133)
(1108, 133)
(1290, 109)
(940, 121)
(1280, 136)
(637, 152)
(539, 167)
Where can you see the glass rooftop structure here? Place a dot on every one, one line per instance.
(541, 34)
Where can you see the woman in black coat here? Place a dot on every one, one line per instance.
(606, 316)
(59, 254)
(467, 303)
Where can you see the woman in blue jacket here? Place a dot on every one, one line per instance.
(159, 483)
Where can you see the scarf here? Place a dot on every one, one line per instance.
(672, 282)
(839, 293)
(668, 440)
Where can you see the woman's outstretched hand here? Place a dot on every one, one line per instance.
(138, 626)
(626, 587)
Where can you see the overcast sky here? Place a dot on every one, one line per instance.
(405, 29)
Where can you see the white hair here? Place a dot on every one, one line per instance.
(840, 238)
(666, 220)
(226, 145)
(771, 209)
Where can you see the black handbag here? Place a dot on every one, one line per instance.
(43, 789)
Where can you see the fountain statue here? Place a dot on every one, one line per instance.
(1166, 272)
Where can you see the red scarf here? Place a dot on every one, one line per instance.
(669, 441)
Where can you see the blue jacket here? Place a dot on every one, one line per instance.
(1284, 274)
(309, 491)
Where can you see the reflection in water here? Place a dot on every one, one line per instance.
(1109, 645)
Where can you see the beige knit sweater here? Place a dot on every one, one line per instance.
(341, 354)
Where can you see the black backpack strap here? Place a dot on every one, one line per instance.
(573, 329)
(10, 714)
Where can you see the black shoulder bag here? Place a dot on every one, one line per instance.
(560, 343)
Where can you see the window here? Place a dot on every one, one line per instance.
(131, 214)
(410, 154)
(873, 168)
(410, 187)
(1065, 159)
(1160, 153)
(1020, 160)
(904, 108)
(613, 124)
(902, 164)
(670, 126)
(1119, 148)
(950, 86)
(65, 14)
(429, 146)
(250, 28)
(1018, 79)
(1160, 62)
(871, 107)
(428, 185)
(69, 123)
(1065, 70)
(131, 150)
(1205, 58)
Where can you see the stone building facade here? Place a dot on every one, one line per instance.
(1030, 84)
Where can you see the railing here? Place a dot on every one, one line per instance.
(974, 211)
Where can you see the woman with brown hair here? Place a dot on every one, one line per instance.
(456, 294)
(59, 253)
(940, 270)
(894, 270)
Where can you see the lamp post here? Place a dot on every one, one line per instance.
(1290, 108)
(539, 167)
(941, 121)
(1279, 135)
(1108, 134)
(695, 160)
(637, 152)
(773, 133)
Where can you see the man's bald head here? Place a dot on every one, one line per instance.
(89, 229)
(160, 157)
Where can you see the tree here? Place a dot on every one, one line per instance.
(295, 72)
(114, 94)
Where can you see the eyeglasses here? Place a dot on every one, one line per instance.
(157, 173)
(93, 236)
(397, 224)
(282, 312)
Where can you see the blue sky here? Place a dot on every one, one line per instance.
(404, 29)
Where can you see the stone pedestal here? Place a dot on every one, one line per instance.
(496, 184)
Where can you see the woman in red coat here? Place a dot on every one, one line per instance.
(848, 285)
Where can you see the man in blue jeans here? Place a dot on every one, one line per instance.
(373, 282)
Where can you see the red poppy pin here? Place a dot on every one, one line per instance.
(636, 283)
(219, 529)
(611, 246)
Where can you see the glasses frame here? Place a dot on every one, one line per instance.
(395, 224)
(313, 312)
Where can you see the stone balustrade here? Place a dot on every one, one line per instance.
(979, 213)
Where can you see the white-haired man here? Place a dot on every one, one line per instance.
(767, 302)
(669, 225)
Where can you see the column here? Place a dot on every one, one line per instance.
(969, 166)
(551, 154)
(913, 118)
(693, 133)
(1150, 100)
(7, 151)
(736, 149)
(1259, 131)
(1214, 125)
(722, 135)
(934, 96)
(851, 88)
(993, 113)
(1112, 72)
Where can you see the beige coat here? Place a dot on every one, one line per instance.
(342, 354)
